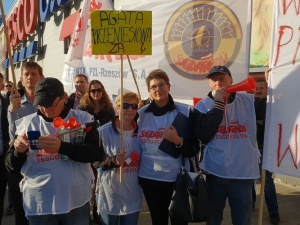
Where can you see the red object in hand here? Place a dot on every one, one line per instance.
(72, 122)
(58, 123)
(134, 156)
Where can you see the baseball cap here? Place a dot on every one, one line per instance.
(218, 69)
(46, 91)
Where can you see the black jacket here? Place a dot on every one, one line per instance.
(4, 124)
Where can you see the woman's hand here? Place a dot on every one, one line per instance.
(120, 157)
(170, 134)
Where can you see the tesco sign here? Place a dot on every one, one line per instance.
(23, 19)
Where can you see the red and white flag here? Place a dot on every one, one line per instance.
(82, 32)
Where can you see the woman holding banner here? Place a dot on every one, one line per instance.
(120, 203)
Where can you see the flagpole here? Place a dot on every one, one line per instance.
(8, 46)
(262, 196)
(131, 68)
(121, 119)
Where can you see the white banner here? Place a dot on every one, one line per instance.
(281, 149)
(189, 37)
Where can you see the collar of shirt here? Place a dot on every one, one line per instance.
(24, 99)
(159, 111)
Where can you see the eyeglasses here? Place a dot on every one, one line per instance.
(160, 86)
(128, 105)
(52, 106)
(99, 90)
(8, 85)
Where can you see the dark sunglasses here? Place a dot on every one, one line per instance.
(127, 105)
(99, 90)
(8, 85)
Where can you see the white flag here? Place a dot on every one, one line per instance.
(81, 36)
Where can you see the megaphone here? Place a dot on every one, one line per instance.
(245, 85)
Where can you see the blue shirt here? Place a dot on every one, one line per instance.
(25, 109)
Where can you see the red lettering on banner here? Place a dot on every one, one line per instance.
(202, 66)
(282, 30)
(294, 153)
(286, 5)
(152, 134)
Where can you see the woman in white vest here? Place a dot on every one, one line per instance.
(120, 203)
(158, 170)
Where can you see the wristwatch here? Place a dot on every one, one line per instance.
(179, 145)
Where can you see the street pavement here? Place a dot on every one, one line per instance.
(288, 201)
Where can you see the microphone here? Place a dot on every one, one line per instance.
(83, 126)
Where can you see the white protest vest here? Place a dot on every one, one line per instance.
(155, 164)
(52, 185)
(233, 151)
(117, 198)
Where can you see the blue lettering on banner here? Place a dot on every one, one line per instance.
(47, 8)
(80, 70)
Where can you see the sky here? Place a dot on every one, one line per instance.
(7, 4)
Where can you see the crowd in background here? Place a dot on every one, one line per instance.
(111, 175)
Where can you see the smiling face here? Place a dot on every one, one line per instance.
(96, 91)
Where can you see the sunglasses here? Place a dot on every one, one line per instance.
(8, 85)
(99, 90)
(128, 105)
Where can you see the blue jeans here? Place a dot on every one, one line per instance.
(239, 194)
(78, 216)
(129, 219)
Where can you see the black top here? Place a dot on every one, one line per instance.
(103, 117)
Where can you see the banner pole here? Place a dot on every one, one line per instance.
(121, 119)
(262, 196)
(8, 46)
(134, 78)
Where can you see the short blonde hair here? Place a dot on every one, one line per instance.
(127, 96)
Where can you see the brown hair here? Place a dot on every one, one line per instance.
(34, 65)
(82, 75)
(157, 74)
(88, 102)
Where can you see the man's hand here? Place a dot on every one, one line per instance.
(49, 143)
(21, 143)
(14, 101)
(220, 94)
